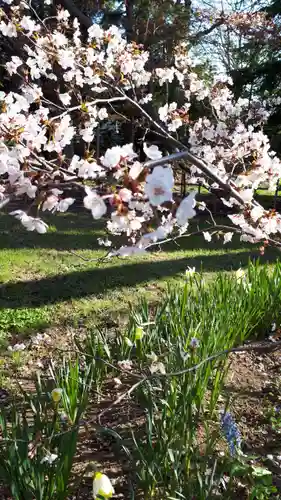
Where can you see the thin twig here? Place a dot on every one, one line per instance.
(98, 259)
(216, 227)
(92, 103)
(211, 215)
(264, 347)
(120, 398)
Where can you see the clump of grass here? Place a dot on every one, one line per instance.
(39, 436)
(187, 417)
(183, 404)
(23, 320)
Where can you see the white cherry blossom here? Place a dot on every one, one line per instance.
(159, 185)
(102, 114)
(146, 99)
(125, 195)
(8, 29)
(89, 170)
(34, 224)
(65, 98)
(152, 152)
(186, 210)
(39, 139)
(13, 65)
(29, 25)
(165, 75)
(95, 203)
(30, 223)
(127, 251)
(112, 157)
(125, 223)
(175, 124)
(256, 213)
(207, 236)
(87, 134)
(227, 237)
(26, 187)
(64, 204)
(135, 170)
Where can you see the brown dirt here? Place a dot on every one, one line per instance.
(253, 386)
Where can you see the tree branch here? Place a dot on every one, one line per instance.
(207, 31)
(199, 164)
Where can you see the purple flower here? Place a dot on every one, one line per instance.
(194, 343)
(231, 432)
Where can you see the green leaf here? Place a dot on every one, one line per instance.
(171, 455)
(239, 470)
(260, 471)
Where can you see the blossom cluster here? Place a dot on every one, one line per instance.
(255, 25)
(250, 23)
(38, 136)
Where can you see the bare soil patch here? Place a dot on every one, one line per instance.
(253, 386)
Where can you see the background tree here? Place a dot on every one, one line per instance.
(248, 50)
(263, 76)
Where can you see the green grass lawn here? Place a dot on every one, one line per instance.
(42, 282)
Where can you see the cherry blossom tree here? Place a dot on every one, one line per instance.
(47, 146)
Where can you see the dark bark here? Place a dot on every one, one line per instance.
(207, 31)
(129, 20)
(75, 12)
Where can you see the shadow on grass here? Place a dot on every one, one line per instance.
(78, 231)
(67, 231)
(96, 282)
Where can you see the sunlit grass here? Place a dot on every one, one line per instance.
(46, 271)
